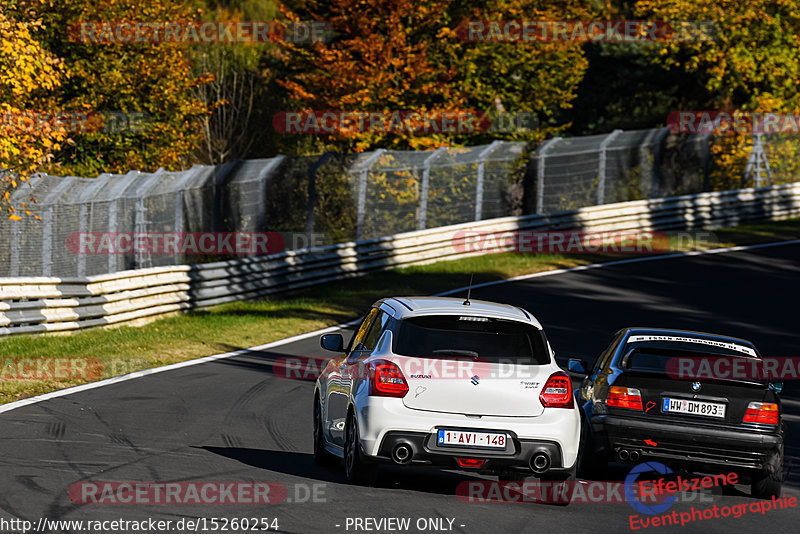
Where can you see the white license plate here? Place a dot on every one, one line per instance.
(460, 438)
(709, 409)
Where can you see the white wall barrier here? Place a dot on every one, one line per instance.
(35, 305)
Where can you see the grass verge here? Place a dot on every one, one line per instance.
(124, 349)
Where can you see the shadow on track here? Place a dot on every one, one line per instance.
(302, 465)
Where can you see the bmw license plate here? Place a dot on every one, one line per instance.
(693, 407)
(460, 438)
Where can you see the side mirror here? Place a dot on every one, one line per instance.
(776, 386)
(577, 366)
(332, 342)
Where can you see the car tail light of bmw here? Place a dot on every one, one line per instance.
(622, 397)
(761, 412)
(387, 380)
(557, 391)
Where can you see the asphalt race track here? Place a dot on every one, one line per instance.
(237, 419)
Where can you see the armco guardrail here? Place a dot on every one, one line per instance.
(34, 305)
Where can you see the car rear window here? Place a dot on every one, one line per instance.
(467, 337)
(665, 361)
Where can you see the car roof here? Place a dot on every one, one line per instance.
(404, 307)
(666, 333)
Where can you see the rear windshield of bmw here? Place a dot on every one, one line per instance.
(679, 359)
(468, 337)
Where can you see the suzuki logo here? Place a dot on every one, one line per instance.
(695, 386)
(475, 380)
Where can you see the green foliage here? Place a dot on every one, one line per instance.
(406, 55)
(154, 79)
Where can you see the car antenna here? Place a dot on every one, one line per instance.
(469, 289)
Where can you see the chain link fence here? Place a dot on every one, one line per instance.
(336, 198)
(309, 201)
(623, 165)
(399, 191)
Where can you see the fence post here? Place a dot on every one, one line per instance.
(14, 249)
(112, 228)
(83, 227)
(541, 156)
(47, 241)
(426, 179)
(178, 221)
(140, 227)
(362, 191)
(705, 155)
(658, 140)
(601, 167)
(481, 171)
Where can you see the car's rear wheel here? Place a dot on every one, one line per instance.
(356, 469)
(768, 483)
(321, 456)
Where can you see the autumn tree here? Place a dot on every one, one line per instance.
(390, 55)
(152, 82)
(28, 77)
(750, 63)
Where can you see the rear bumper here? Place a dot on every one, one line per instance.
(686, 445)
(380, 419)
(426, 452)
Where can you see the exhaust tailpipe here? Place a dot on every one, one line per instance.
(623, 455)
(540, 462)
(634, 456)
(401, 454)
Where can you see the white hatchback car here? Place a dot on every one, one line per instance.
(442, 382)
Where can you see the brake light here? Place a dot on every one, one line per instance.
(387, 380)
(557, 391)
(761, 412)
(470, 462)
(622, 397)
